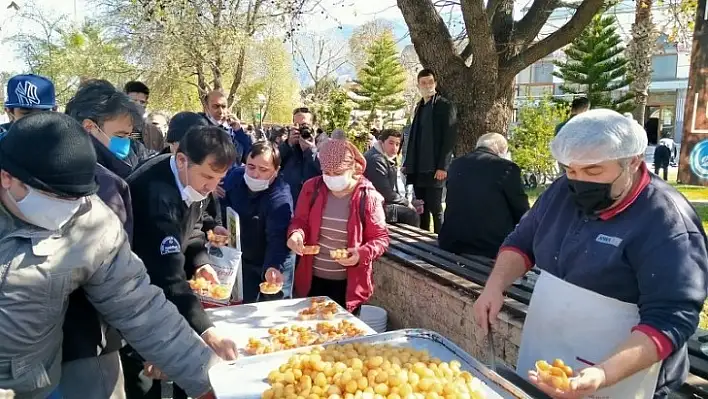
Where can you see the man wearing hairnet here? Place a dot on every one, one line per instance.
(624, 263)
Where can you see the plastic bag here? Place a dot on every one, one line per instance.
(226, 262)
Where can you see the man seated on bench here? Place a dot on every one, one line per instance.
(382, 171)
(485, 199)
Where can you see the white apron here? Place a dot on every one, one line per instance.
(568, 322)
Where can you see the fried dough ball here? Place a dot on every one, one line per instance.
(362, 371)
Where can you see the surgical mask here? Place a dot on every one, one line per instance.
(44, 211)
(256, 185)
(189, 192)
(336, 183)
(592, 197)
(119, 146)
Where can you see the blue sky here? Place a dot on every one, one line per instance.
(348, 13)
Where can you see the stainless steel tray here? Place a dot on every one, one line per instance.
(246, 378)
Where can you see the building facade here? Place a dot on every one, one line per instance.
(667, 92)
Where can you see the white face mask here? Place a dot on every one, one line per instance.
(189, 192)
(336, 183)
(256, 185)
(44, 211)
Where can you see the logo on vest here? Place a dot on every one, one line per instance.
(170, 245)
(603, 239)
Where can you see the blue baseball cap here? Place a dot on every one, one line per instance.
(30, 91)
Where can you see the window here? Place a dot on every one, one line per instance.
(543, 72)
(664, 67)
(524, 76)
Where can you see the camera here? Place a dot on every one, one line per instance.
(305, 132)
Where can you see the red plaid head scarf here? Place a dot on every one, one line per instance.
(337, 156)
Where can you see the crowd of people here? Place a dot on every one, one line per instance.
(104, 210)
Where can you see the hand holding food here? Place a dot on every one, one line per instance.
(273, 275)
(311, 250)
(224, 347)
(270, 288)
(296, 242)
(218, 237)
(351, 259)
(559, 381)
(337, 254)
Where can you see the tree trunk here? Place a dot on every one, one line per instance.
(639, 53)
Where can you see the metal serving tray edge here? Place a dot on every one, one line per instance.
(222, 376)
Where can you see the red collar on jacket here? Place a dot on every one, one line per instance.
(644, 180)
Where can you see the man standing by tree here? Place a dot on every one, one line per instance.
(433, 136)
(577, 107)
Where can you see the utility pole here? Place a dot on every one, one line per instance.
(693, 165)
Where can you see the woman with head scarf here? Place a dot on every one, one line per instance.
(342, 215)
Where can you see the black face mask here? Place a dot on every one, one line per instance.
(592, 197)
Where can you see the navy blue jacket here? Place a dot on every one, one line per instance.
(298, 166)
(265, 217)
(241, 140)
(650, 250)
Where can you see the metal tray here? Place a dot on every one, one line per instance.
(246, 378)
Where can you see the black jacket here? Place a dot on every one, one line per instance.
(85, 333)
(298, 166)
(168, 236)
(662, 155)
(428, 151)
(485, 201)
(383, 174)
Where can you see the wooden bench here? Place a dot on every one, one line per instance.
(420, 248)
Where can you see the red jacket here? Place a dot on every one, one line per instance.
(372, 240)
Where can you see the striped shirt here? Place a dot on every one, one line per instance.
(333, 235)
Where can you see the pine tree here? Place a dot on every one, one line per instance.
(596, 67)
(382, 80)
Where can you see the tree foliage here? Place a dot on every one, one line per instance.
(66, 55)
(363, 37)
(530, 139)
(336, 113)
(381, 82)
(321, 56)
(269, 77)
(596, 66)
(681, 19)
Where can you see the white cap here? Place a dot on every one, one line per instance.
(596, 136)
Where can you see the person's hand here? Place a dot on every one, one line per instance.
(219, 191)
(296, 242)
(352, 259)
(440, 175)
(294, 136)
(208, 273)
(151, 371)
(224, 347)
(587, 382)
(305, 144)
(411, 206)
(486, 308)
(274, 276)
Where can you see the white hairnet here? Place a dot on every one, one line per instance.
(596, 136)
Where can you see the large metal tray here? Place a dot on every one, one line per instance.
(246, 378)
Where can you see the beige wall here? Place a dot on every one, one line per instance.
(442, 304)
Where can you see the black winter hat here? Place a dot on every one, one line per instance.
(181, 123)
(51, 152)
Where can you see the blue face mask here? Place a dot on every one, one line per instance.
(119, 146)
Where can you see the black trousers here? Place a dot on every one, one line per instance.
(335, 289)
(401, 214)
(432, 198)
(665, 169)
(138, 386)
